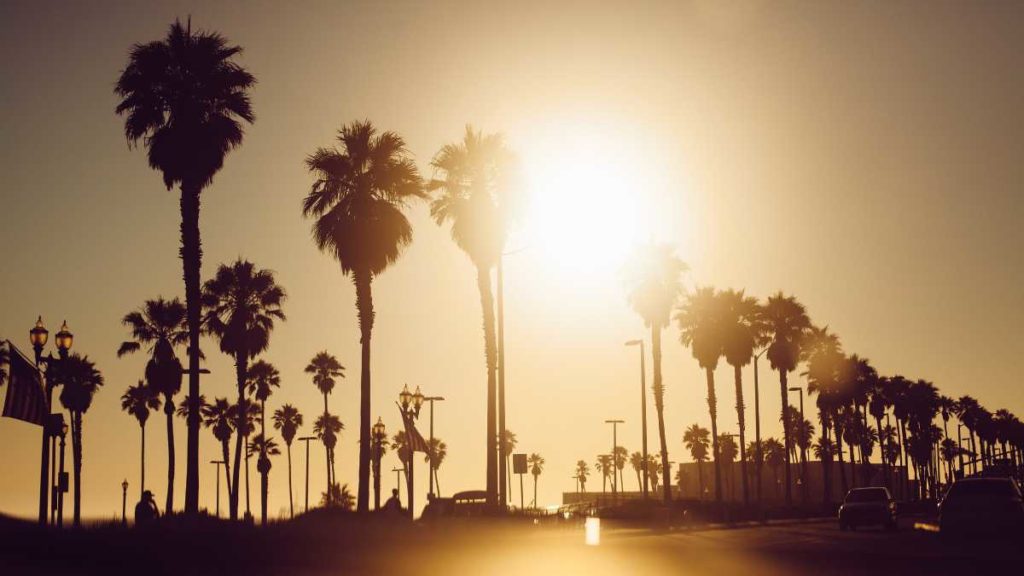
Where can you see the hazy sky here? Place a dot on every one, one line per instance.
(865, 157)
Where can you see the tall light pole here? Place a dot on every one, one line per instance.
(62, 479)
(803, 450)
(307, 439)
(758, 454)
(430, 456)
(643, 412)
(38, 336)
(124, 502)
(502, 462)
(615, 445)
(217, 478)
(379, 435)
(409, 405)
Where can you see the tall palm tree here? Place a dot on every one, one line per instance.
(728, 451)
(620, 456)
(785, 321)
(654, 471)
(160, 326)
(775, 458)
(80, 380)
(826, 364)
(246, 414)
(288, 420)
(508, 446)
(357, 198)
(473, 179)
(263, 448)
(654, 284)
(604, 465)
(878, 406)
(326, 369)
(536, 463)
(741, 333)
(701, 329)
(636, 460)
(241, 303)
(697, 440)
(138, 400)
(261, 381)
(582, 472)
(219, 417)
(437, 450)
(186, 98)
(327, 427)
(967, 412)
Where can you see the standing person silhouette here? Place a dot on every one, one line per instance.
(146, 510)
(393, 505)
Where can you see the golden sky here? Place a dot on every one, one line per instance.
(864, 157)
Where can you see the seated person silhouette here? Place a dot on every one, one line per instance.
(393, 505)
(146, 510)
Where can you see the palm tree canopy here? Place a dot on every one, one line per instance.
(785, 320)
(401, 446)
(219, 416)
(186, 98)
(183, 408)
(250, 414)
(257, 444)
(742, 330)
(508, 441)
(582, 469)
(774, 452)
(476, 178)
(325, 368)
(164, 372)
(697, 440)
(654, 280)
(288, 420)
(436, 452)
(536, 463)
(701, 326)
(241, 303)
(358, 197)
(327, 427)
(139, 400)
(727, 448)
(157, 320)
(79, 379)
(261, 380)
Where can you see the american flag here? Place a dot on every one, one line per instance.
(26, 399)
(413, 437)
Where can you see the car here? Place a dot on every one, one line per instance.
(982, 506)
(873, 506)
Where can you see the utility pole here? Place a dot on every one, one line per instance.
(643, 414)
(306, 439)
(217, 478)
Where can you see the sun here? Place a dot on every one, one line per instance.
(585, 212)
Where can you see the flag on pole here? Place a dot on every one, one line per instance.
(412, 436)
(26, 398)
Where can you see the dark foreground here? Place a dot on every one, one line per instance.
(338, 546)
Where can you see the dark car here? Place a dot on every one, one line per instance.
(868, 507)
(982, 505)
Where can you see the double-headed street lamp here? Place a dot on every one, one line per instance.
(378, 435)
(63, 339)
(643, 411)
(410, 404)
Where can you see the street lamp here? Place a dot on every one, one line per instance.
(410, 405)
(62, 477)
(306, 439)
(643, 411)
(615, 445)
(38, 335)
(379, 435)
(803, 450)
(217, 478)
(124, 502)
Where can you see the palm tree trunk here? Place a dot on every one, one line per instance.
(327, 457)
(882, 448)
(903, 452)
(191, 259)
(639, 482)
(700, 479)
(826, 460)
(741, 421)
(76, 449)
(535, 491)
(142, 470)
(225, 453)
(839, 452)
(169, 411)
(364, 305)
(713, 411)
(262, 464)
(784, 386)
(483, 276)
(291, 498)
(241, 368)
(248, 507)
(659, 405)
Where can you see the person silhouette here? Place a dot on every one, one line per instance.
(393, 505)
(146, 510)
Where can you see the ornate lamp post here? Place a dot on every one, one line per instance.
(124, 502)
(38, 337)
(379, 435)
(62, 478)
(409, 404)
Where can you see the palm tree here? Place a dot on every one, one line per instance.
(727, 451)
(473, 178)
(261, 381)
(357, 198)
(138, 400)
(967, 412)
(605, 466)
(186, 98)
(508, 446)
(326, 369)
(775, 458)
(436, 452)
(822, 352)
(220, 418)
(339, 496)
(536, 463)
(263, 447)
(327, 427)
(80, 380)
(288, 420)
(241, 303)
(741, 333)
(785, 321)
(697, 440)
(636, 460)
(247, 413)
(620, 456)
(378, 450)
(582, 472)
(654, 282)
(701, 329)
(401, 447)
(160, 326)
(654, 471)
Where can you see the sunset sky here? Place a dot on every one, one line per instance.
(865, 158)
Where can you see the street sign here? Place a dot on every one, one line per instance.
(62, 483)
(519, 463)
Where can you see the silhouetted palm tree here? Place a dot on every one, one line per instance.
(219, 416)
(536, 463)
(325, 369)
(582, 473)
(246, 414)
(605, 466)
(401, 446)
(654, 471)
(138, 400)
(263, 450)
(741, 333)
(377, 452)
(701, 329)
(437, 450)
(785, 321)
(508, 446)
(826, 365)
(473, 178)
(357, 199)
(654, 283)
(261, 381)
(620, 456)
(80, 380)
(160, 325)
(697, 440)
(636, 460)
(186, 99)
(728, 451)
(241, 303)
(339, 497)
(288, 420)
(775, 458)
(327, 427)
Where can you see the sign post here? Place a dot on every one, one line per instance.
(519, 467)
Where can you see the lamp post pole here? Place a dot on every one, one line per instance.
(62, 485)
(124, 502)
(409, 405)
(430, 457)
(306, 439)
(217, 478)
(803, 450)
(38, 336)
(615, 445)
(758, 455)
(379, 434)
(643, 414)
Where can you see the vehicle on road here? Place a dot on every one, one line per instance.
(982, 506)
(873, 506)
